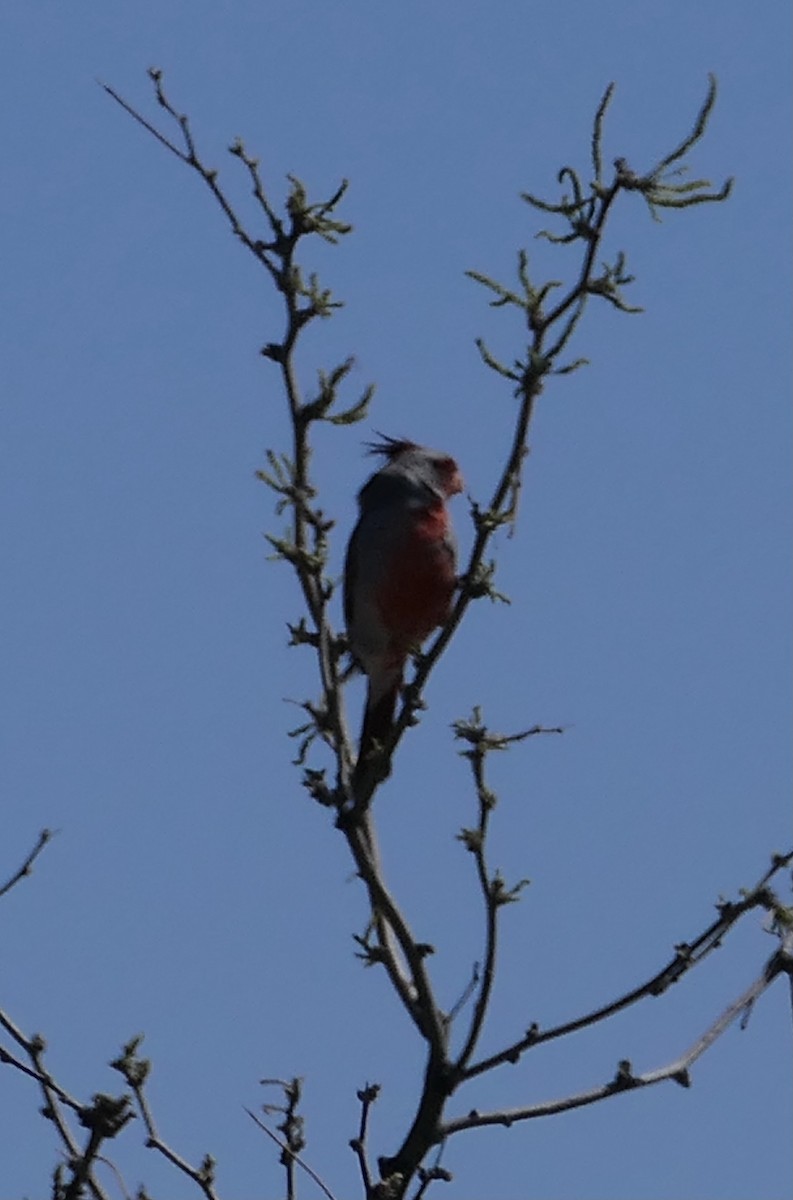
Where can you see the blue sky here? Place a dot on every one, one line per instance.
(193, 891)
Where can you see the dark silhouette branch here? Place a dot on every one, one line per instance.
(288, 476)
(291, 1128)
(481, 742)
(550, 332)
(367, 1096)
(103, 1119)
(687, 956)
(416, 993)
(26, 868)
(292, 1141)
(135, 1071)
(624, 1079)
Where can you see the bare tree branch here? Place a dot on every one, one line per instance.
(624, 1079)
(26, 868)
(294, 1157)
(367, 1097)
(494, 893)
(135, 1071)
(56, 1098)
(687, 955)
(292, 1127)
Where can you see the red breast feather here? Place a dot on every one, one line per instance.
(415, 591)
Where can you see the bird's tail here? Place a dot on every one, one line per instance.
(378, 717)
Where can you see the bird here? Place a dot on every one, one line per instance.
(400, 572)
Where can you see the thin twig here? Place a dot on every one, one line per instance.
(476, 845)
(135, 1071)
(300, 1162)
(54, 1095)
(147, 125)
(694, 136)
(417, 997)
(687, 956)
(367, 1097)
(464, 996)
(597, 134)
(45, 836)
(625, 1080)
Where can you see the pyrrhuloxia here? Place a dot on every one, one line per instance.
(399, 576)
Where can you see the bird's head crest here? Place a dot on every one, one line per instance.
(390, 447)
